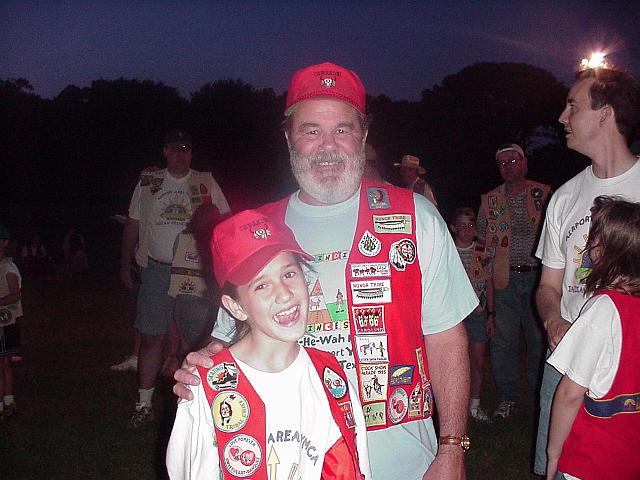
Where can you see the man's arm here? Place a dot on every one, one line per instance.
(548, 298)
(127, 250)
(566, 404)
(448, 357)
(184, 376)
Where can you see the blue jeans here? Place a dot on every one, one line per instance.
(515, 309)
(550, 380)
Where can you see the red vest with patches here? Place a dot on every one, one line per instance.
(242, 438)
(384, 296)
(607, 446)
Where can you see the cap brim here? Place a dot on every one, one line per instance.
(251, 266)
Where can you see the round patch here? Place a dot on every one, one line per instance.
(223, 375)
(536, 193)
(492, 228)
(242, 456)
(398, 405)
(503, 226)
(402, 253)
(230, 411)
(334, 382)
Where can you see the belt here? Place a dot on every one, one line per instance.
(523, 268)
(159, 262)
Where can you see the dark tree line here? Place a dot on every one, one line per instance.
(75, 159)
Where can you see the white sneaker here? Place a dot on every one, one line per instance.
(129, 363)
(479, 415)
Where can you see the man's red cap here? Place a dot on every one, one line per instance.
(326, 79)
(242, 245)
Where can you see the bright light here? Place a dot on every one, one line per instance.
(597, 60)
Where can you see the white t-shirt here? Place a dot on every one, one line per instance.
(326, 232)
(589, 353)
(566, 229)
(170, 214)
(7, 266)
(299, 425)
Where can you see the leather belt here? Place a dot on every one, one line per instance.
(523, 268)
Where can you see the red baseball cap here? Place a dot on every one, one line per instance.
(242, 245)
(326, 79)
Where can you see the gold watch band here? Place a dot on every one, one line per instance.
(463, 441)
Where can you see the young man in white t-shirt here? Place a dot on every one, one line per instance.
(601, 114)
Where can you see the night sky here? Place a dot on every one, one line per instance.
(398, 48)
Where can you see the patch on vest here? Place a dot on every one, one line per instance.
(392, 224)
(402, 253)
(242, 455)
(415, 402)
(364, 270)
(368, 320)
(375, 414)
(369, 246)
(230, 411)
(336, 385)
(347, 413)
(378, 198)
(223, 375)
(187, 287)
(398, 405)
(428, 400)
(373, 381)
(421, 369)
(372, 348)
(401, 374)
(368, 291)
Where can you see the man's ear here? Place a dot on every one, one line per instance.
(606, 113)
(233, 308)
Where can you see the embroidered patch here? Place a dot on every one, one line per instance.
(492, 228)
(145, 180)
(398, 405)
(536, 193)
(415, 402)
(421, 370)
(192, 257)
(373, 381)
(372, 348)
(368, 320)
(401, 374)
(392, 224)
(428, 400)
(402, 253)
(328, 82)
(335, 383)
(347, 413)
(378, 198)
(223, 375)
(503, 226)
(375, 414)
(196, 199)
(369, 246)
(242, 455)
(230, 411)
(203, 189)
(193, 190)
(187, 287)
(538, 204)
(368, 291)
(505, 242)
(364, 270)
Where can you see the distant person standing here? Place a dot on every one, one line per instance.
(162, 204)
(508, 222)
(600, 117)
(411, 173)
(10, 311)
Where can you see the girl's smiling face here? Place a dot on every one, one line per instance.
(275, 303)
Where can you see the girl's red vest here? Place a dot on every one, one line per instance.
(604, 442)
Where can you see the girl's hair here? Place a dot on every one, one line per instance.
(230, 289)
(614, 246)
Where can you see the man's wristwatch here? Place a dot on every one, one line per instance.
(463, 441)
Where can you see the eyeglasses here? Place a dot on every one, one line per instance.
(508, 161)
(467, 226)
(179, 147)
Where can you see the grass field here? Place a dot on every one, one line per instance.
(72, 417)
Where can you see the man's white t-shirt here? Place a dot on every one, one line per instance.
(169, 216)
(566, 229)
(326, 232)
(589, 353)
(299, 425)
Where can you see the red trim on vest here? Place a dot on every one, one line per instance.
(607, 448)
(240, 425)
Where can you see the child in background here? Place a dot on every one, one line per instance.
(267, 408)
(478, 264)
(10, 311)
(595, 419)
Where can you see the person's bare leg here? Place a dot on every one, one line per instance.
(149, 360)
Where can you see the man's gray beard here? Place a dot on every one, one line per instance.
(333, 190)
